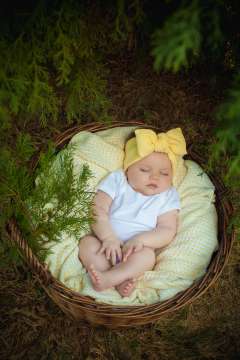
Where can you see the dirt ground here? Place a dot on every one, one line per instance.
(33, 327)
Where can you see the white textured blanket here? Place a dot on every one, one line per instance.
(183, 261)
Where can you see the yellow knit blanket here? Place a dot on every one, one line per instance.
(183, 261)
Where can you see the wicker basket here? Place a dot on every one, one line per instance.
(83, 307)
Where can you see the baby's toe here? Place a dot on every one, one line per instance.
(127, 288)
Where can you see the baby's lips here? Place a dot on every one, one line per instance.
(152, 186)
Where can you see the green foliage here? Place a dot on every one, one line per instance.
(15, 182)
(51, 62)
(179, 38)
(196, 31)
(24, 147)
(81, 91)
(60, 202)
(227, 134)
(211, 28)
(56, 59)
(129, 15)
(15, 186)
(25, 88)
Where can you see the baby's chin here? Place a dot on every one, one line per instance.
(150, 190)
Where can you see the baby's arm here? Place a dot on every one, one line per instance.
(164, 232)
(161, 236)
(102, 227)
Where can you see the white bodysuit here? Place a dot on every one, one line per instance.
(131, 212)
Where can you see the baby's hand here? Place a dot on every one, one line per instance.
(132, 245)
(112, 249)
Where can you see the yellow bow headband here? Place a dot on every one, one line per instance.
(147, 141)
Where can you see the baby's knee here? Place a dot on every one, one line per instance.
(88, 244)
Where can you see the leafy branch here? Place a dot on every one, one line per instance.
(178, 40)
(60, 201)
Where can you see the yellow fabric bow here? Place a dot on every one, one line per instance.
(147, 141)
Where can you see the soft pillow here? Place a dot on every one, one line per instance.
(178, 265)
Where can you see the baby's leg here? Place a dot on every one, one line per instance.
(135, 266)
(88, 253)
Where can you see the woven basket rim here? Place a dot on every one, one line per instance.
(149, 312)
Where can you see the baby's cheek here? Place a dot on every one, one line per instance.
(169, 181)
(140, 179)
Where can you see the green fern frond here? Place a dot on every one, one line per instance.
(179, 38)
(43, 59)
(227, 133)
(24, 147)
(61, 201)
(214, 34)
(87, 92)
(43, 102)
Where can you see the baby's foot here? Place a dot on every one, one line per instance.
(99, 282)
(126, 288)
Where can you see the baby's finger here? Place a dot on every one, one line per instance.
(108, 253)
(101, 250)
(113, 257)
(124, 250)
(119, 254)
(126, 256)
(127, 253)
(137, 247)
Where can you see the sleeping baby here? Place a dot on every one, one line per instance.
(136, 212)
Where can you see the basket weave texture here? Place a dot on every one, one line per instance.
(80, 307)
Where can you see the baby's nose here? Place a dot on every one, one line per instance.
(154, 176)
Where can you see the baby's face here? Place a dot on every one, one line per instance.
(151, 175)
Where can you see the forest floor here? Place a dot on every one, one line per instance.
(33, 327)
